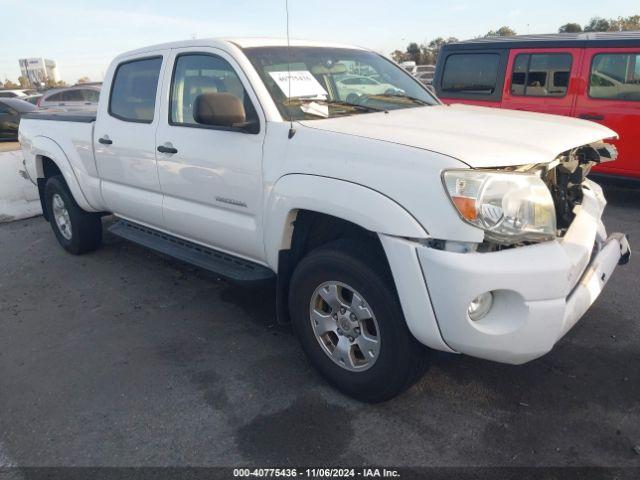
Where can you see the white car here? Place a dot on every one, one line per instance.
(392, 228)
(79, 97)
(352, 87)
(16, 93)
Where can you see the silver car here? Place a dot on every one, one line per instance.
(78, 97)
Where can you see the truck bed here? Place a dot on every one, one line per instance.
(79, 116)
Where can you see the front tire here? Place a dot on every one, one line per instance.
(345, 311)
(77, 231)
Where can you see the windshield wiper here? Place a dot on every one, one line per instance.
(402, 95)
(363, 108)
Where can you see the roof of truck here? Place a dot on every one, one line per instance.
(583, 39)
(241, 42)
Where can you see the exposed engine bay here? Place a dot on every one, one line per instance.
(567, 172)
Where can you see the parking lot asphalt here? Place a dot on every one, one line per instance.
(124, 357)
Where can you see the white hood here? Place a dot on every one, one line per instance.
(480, 137)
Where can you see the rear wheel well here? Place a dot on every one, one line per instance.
(49, 168)
(312, 230)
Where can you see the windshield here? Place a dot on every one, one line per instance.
(309, 83)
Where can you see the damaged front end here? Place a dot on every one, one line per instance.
(527, 204)
(566, 174)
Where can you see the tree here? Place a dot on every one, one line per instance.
(501, 32)
(399, 56)
(570, 28)
(431, 51)
(9, 84)
(51, 83)
(413, 52)
(622, 24)
(24, 82)
(598, 24)
(83, 80)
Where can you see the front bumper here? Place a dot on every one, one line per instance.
(540, 291)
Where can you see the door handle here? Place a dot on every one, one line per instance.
(105, 140)
(165, 149)
(591, 116)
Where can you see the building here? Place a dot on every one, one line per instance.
(38, 70)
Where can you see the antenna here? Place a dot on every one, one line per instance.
(292, 131)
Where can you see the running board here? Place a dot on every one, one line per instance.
(227, 266)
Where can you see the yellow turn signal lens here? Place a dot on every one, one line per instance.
(466, 206)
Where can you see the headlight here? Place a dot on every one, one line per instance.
(510, 207)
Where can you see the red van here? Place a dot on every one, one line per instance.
(594, 76)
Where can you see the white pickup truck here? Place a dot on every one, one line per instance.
(393, 224)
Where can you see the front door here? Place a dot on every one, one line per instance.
(542, 80)
(124, 139)
(211, 176)
(611, 96)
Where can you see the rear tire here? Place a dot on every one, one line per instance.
(77, 231)
(395, 360)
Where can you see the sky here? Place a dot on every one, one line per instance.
(83, 36)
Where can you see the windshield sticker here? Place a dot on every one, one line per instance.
(314, 108)
(303, 84)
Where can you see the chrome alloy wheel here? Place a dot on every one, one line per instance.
(61, 216)
(345, 326)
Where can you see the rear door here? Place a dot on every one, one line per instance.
(610, 95)
(124, 138)
(542, 80)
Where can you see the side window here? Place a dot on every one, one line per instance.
(195, 74)
(519, 74)
(541, 75)
(4, 109)
(56, 97)
(90, 95)
(133, 92)
(471, 73)
(615, 76)
(72, 96)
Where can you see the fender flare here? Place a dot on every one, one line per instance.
(363, 206)
(42, 146)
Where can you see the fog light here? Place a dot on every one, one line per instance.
(480, 306)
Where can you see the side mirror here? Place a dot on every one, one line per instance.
(219, 110)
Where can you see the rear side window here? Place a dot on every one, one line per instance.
(90, 95)
(615, 76)
(133, 92)
(473, 73)
(56, 97)
(72, 96)
(541, 75)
